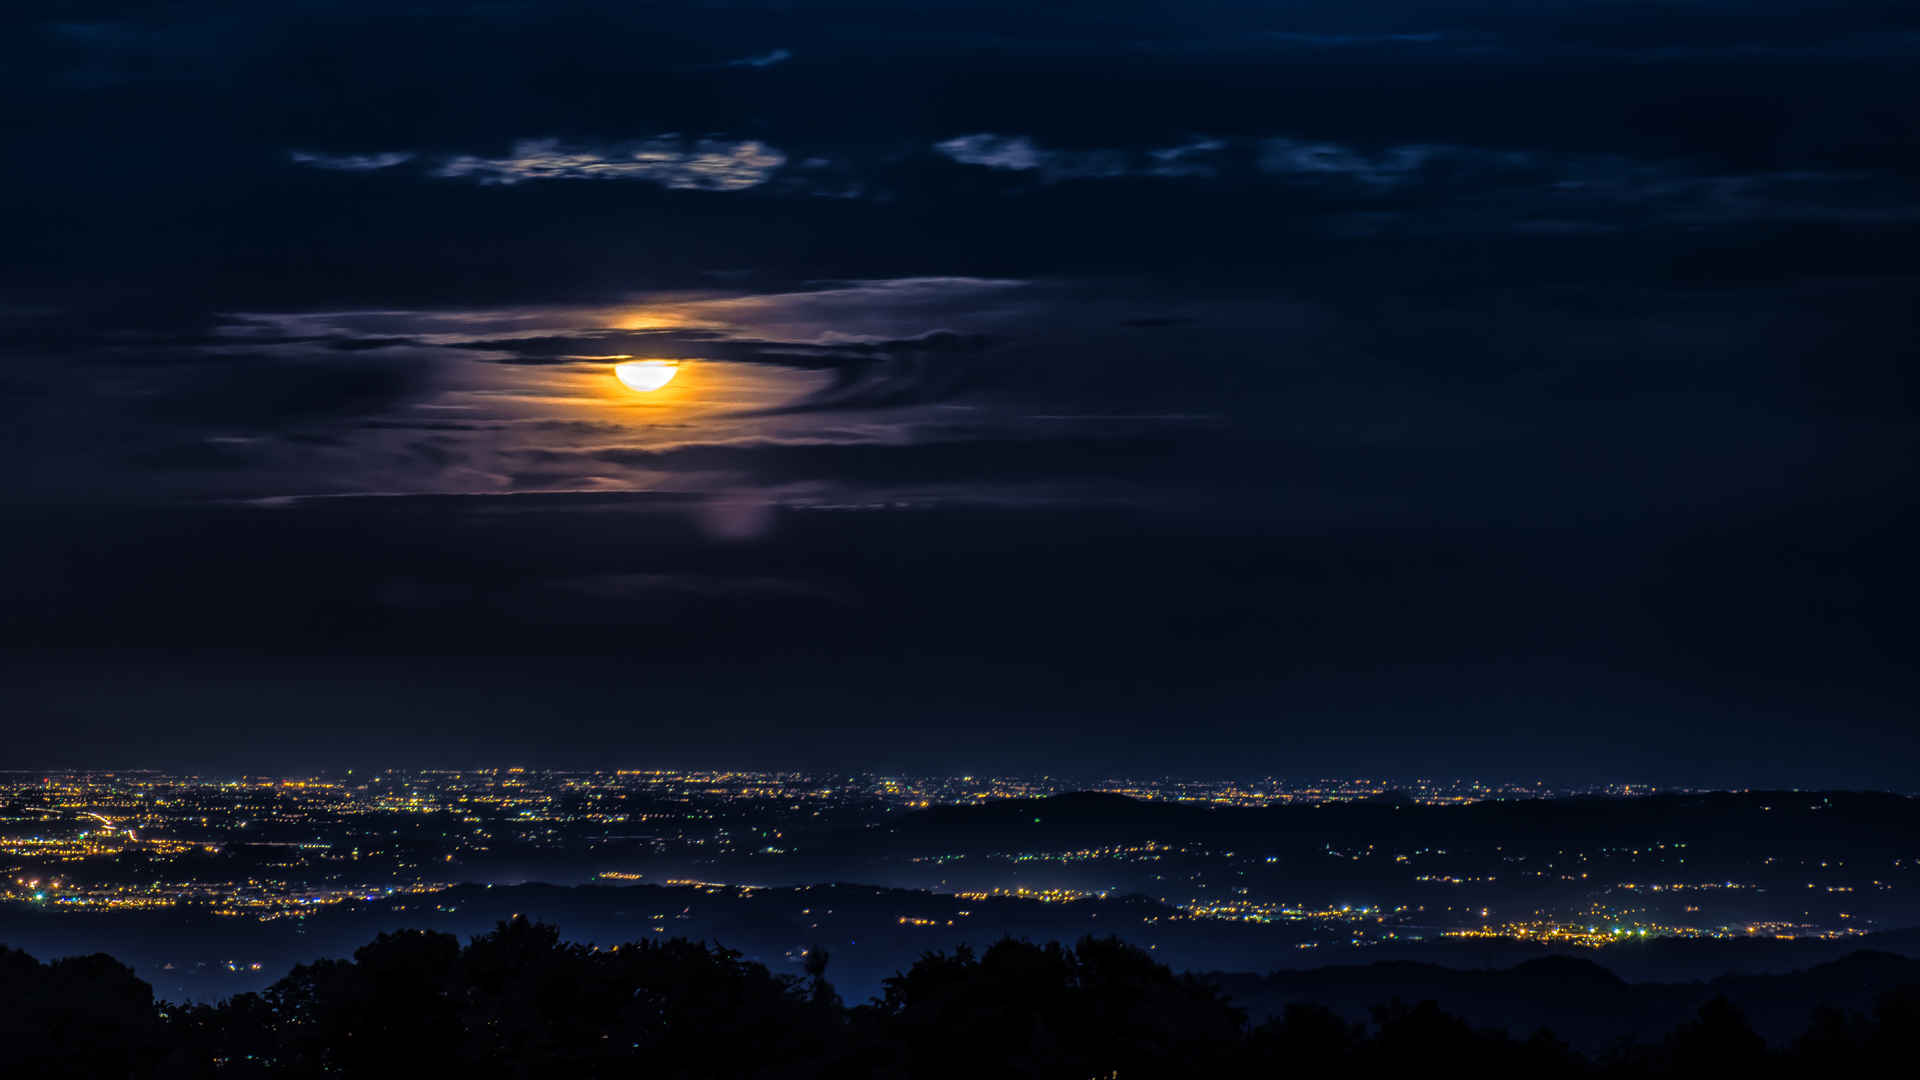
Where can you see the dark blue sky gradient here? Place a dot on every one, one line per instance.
(1519, 390)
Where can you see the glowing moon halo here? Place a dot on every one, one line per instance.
(646, 376)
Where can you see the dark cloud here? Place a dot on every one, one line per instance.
(866, 374)
(949, 464)
(251, 392)
(920, 370)
(365, 344)
(569, 347)
(201, 455)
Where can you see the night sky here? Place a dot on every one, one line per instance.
(1506, 390)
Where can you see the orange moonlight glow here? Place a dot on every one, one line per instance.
(646, 375)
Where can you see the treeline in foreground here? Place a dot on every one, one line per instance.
(519, 1002)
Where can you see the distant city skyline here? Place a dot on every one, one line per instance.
(235, 876)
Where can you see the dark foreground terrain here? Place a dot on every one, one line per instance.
(520, 1002)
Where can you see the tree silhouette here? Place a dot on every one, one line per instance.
(815, 965)
(1305, 1038)
(83, 1016)
(1030, 1010)
(519, 1002)
(1719, 1040)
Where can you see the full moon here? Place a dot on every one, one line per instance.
(646, 375)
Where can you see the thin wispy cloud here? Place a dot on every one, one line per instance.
(1187, 159)
(351, 162)
(994, 151)
(707, 164)
(1204, 157)
(1199, 157)
(1341, 41)
(1019, 153)
(1302, 158)
(768, 59)
(702, 164)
